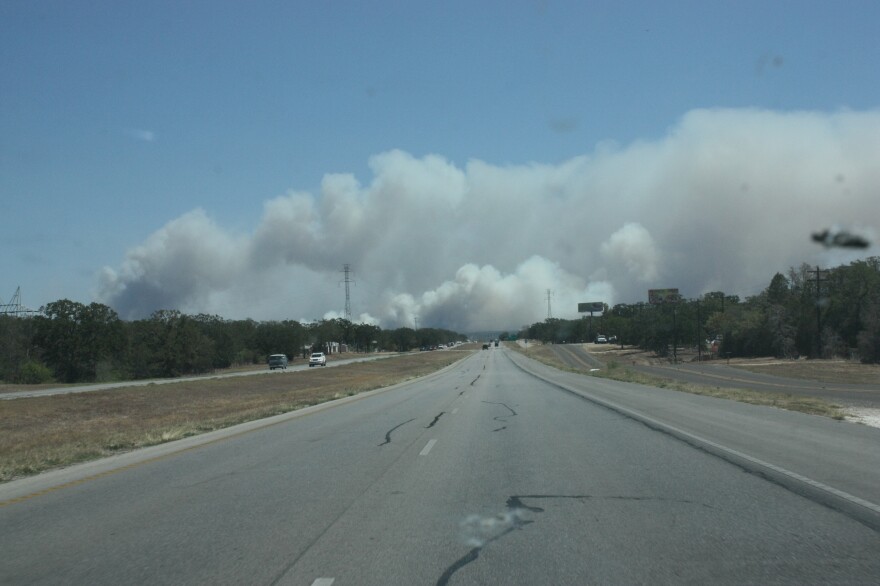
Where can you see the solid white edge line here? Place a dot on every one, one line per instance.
(323, 582)
(839, 499)
(427, 447)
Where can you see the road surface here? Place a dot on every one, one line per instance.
(485, 473)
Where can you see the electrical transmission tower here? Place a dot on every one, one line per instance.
(14, 307)
(346, 269)
(549, 311)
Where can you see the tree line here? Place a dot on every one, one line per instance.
(72, 342)
(806, 313)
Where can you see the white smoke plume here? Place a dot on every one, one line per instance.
(722, 202)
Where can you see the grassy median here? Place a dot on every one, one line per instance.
(41, 433)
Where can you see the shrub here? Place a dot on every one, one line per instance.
(34, 373)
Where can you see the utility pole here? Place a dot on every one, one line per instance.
(346, 269)
(699, 334)
(549, 311)
(674, 336)
(820, 276)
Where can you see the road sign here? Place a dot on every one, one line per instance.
(661, 296)
(591, 307)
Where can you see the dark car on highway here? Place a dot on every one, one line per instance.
(278, 361)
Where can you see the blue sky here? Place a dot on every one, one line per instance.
(118, 118)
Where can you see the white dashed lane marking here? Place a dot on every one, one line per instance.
(427, 447)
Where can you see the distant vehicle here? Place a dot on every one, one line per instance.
(278, 361)
(496, 343)
(485, 346)
(601, 340)
(317, 359)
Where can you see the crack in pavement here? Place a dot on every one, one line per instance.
(502, 418)
(506, 406)
(388, 434)
(461, 562)
(475, 380)
(516, 501)
(439, 415)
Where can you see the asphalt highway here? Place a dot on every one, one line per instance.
(498, 470)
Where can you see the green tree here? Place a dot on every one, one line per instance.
(364, 337)
(218, 331)
(34, 373)
(74, 338)
(868, 339)
(284, 337)
(402, 339)
(178, 346)
(778, 292)
(17, 346)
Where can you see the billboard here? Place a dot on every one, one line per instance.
(591, 307)
(661, 296)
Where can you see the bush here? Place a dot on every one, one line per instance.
(34, 373)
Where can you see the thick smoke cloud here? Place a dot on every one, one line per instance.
(722, 202)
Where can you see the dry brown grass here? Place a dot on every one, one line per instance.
(14, 387)
(40, 433)
(614, 370)
(787, 401)
(540, 352)
(826, 371)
